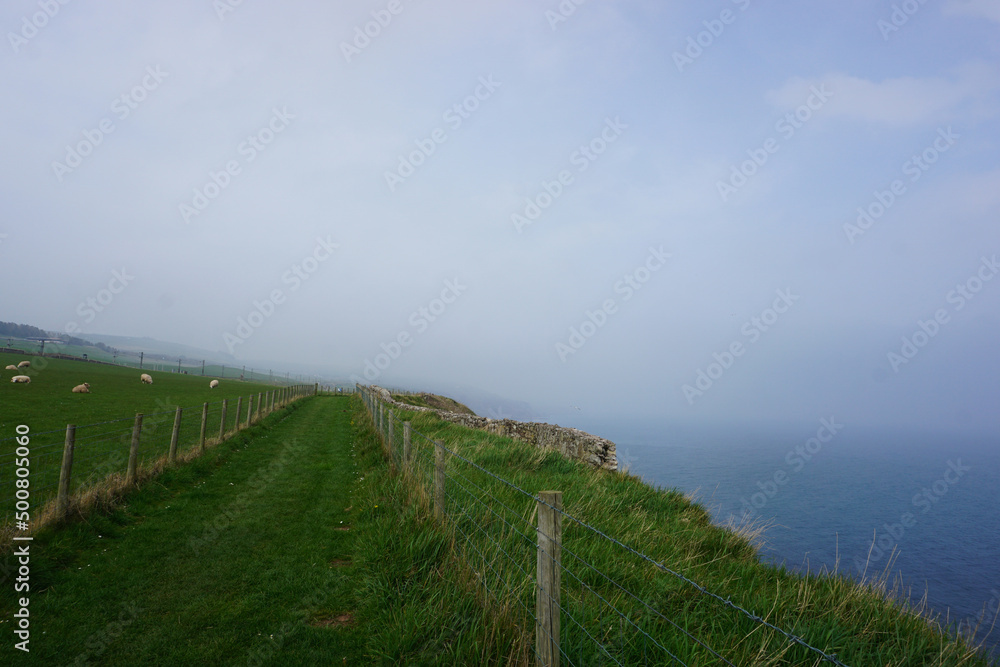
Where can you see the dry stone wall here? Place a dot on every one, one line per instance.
(572, 443)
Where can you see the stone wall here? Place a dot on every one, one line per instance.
(572, 443)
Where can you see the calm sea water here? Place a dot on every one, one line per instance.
(932, 498)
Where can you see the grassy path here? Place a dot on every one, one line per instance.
(240, 557)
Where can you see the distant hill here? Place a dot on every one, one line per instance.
(127, 349)
(153, 346)
(22, 331)
(434, 401)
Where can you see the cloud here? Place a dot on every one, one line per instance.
(988, 9)
(903, 101)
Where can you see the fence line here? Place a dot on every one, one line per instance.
(64, 465)
(154, 361)
(627, 629)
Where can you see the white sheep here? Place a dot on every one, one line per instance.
(82, 388)
(24, 364)
(11, 367)
(213, 384)
(21, 379)
(146, 379)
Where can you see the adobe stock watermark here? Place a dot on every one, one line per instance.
(223, 7)
(92, 305)
(958, 297)
(99, 642)
(563, 12)
(249, 149)
(696, 44)
(915, 167)
(420, 320)
(900, 16)
(31, 26)
(924, 500)
(363, 35)
(455, 116)
(121, 108)
(626, 286)
(625, 460)
(266, 648)
(581, 158)
(986, 616)
(497, 413)
(752, 329)
(795, 460)
(294, 277)
(787, 126)
(255, 485)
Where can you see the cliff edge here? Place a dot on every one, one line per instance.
(571, 442)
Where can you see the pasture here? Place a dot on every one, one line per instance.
(104, 419)
(116, 393)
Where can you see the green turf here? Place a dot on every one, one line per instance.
(493, 528)
(234, 558)
(47, 403)
(104, 419)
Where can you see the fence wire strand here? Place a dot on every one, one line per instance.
(101, 449)
(373, 404)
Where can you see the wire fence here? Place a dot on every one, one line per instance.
(56, 349)
(590, 597)
(42, 473)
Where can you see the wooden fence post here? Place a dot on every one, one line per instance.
(249, 409)
(174, 434)
(549, 577)
(439, 480)
(239, 413)
(62, 503)
(273, 392)
(390, 444)
(204, 425)
(256, 416)
(222, 422)
(407, 442)
(133, 452)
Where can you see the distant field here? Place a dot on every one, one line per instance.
(104, 417)
(116, 392)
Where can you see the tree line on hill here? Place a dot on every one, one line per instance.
(15, 330)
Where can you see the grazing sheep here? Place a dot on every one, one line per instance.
(21, 379)
(146, 379)
(24, 364)
(11, 367)
(82, 388)
(213, 384)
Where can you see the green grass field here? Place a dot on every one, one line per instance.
(290, 544)
(492, 526)
(104, 418)
(237, 557)
(300, 542)
(47, 403)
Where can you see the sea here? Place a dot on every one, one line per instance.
(921, 506)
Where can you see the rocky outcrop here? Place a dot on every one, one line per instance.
(570, 442)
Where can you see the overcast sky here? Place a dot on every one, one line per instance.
(720, 211)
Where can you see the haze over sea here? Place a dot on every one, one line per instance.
(930, 497)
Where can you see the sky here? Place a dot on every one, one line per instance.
(722, 212)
